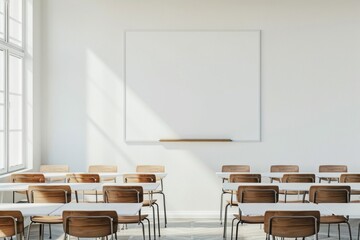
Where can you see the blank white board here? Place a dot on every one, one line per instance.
(192, 85)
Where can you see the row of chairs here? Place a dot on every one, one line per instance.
(88, 178)
(286, 178)
(303, 227)
(113, 168)
(75, 223)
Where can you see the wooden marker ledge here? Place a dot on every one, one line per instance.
(195, 140)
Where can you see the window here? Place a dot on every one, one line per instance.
(12, 113)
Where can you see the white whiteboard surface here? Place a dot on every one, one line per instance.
(192, 85)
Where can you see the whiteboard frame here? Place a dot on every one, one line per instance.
(158, 142)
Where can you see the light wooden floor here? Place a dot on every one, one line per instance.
(202, 229)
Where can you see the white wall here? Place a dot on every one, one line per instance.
(310, 88)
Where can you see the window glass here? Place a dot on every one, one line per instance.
(2, 150)
(2, 71)
(15, 112)
(15, 75)
(2, 19)
(15, 148)
(15, 22)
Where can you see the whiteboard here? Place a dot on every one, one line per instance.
(192, 85)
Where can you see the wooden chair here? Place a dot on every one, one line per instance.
(331, 194)
(26, 178)
(254, 194)
(84, 178)
(48, 194)
(351, 178)
(127, 194)
(282, 168)
(332, 169)
(297, 178)
(230, 168)
(291, 224)
(11, 224)
(146, 178)
(90, 224)
(155, 169)
(104, 169)
(54, 169)
(239, 178)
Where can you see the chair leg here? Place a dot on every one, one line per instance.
(149, 228)
(76, 197)
(143, 229)
(154, 221)
(225, 220)
(158, 217)
(328, 230)
(49, 231)
(232, 227)
(165, 217)
(221, 206)
(349, 227)
(65, 236)
(29, 227)
(339, 231)
(237, 230)
(13, 197)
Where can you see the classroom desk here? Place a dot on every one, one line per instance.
(10, 187)
(122, 209)
(32, 209)
(160, 175)
(348, 209)
(289, 186)
(260, 208)
(226, 175)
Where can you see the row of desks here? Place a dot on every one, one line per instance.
(288, 186)
(159, 175)
(347, 209)
(225, 175)
(56, 209)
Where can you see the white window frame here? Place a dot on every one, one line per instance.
(14, 50)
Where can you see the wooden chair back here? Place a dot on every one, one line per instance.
(258, 194)
(139, 178)
(333, 168)
(54, 168)
(102, 168)
(11, 223)
(150, 168)
(123, 194)
(284, 168)
(350, 178)
(292, 224)
(82, 178)
(27, 178)
(329, 194)
(235, 168)
(50, 194)
(90, 224)
(298, 177)
(245, 178)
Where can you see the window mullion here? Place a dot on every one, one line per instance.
(6, 110)
(6, 13)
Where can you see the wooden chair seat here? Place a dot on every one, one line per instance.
(233, 202)
(47, 219)
(333, 219)
(147, 203)
(355, 192)
(132, 219)
(293, 192)
(250, 219)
